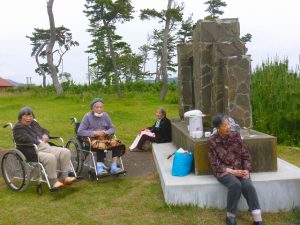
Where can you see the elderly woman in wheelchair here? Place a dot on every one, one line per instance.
(97, 126)
(28, 131)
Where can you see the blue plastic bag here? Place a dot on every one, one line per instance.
(182, 164)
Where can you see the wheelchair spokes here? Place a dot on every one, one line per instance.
(77, 157)
(14, 171)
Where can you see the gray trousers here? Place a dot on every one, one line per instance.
(54, 158)
(237, 186)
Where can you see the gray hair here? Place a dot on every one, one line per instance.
(162, 111)
(25, 111)
(218, 119)
(95, 100)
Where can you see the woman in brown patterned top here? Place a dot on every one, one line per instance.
(231, 164)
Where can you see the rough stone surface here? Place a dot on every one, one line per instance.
(262, 148)
(185, 78)
(214, 73)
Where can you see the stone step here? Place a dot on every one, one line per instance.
(277, 191)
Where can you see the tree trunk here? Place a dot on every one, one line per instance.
(38, 63)
(164, 59)
(157, 70)
(114, 61)
(49, 49)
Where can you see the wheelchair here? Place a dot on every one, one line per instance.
(21, 165)
(83, 155)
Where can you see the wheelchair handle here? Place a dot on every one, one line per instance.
(73, 120)
(8, 125)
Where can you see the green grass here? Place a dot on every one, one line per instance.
(119, 201)
(129, 114)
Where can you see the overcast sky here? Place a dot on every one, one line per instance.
(274, 26)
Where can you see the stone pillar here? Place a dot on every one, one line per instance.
(185, 78)
(208, 82)
(237, 89)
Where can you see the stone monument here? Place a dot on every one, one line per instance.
(214, 76)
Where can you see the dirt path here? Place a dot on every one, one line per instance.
(136, 163)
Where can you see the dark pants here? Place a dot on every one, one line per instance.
(237, 186)
(143, 140)
(101, 154)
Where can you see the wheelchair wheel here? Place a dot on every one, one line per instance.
(77, 157)
(15, 171)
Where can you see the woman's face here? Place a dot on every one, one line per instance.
(159, 114)
(98, 107)
(26, 119)
(224, 129)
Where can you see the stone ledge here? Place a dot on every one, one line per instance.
(277, 191)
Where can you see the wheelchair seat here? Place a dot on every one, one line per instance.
(18, 164)
(83, 152)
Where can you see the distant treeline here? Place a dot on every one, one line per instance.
(275, 96)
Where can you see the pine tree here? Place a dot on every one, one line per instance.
(214, 9)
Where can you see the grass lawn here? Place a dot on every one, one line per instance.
(112, 201)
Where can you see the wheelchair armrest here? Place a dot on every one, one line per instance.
(86, 138)
(27, 145)
(58, 138)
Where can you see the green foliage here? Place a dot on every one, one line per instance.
(246, 38)
(213, 7)
(276, 101)
(185, 33)
(41, 37)
(112, 54)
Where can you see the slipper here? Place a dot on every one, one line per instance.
(118, 172)
(55, 189)
(69, 180)
(136, 150)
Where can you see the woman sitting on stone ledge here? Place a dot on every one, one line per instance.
(230, 162)
(160, 132)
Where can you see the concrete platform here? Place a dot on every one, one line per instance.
(277, 191)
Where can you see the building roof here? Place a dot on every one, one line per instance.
(5, 83)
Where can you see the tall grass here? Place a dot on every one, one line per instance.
(276, 101)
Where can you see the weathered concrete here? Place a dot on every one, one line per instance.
(277, 191)
(262, 148)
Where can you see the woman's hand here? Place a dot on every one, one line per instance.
(236, 173)
(246, 174)
(99, 133)
(45, 138)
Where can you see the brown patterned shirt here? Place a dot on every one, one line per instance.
(228, 152)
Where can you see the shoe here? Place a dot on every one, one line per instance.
(69, 180)
(230, 220)
(258, 223)
(57, 186)
(102, 173)
(136, 150)
(117, 171)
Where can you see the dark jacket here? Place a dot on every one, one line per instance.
(28, 135)
(163, 133)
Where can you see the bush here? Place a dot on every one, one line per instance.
(276, 101)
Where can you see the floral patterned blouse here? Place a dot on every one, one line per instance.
(228, 152)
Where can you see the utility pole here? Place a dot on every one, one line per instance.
(89, 78)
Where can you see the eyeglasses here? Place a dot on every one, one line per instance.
(28, 116)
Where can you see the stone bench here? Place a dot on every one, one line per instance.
(277, 191)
